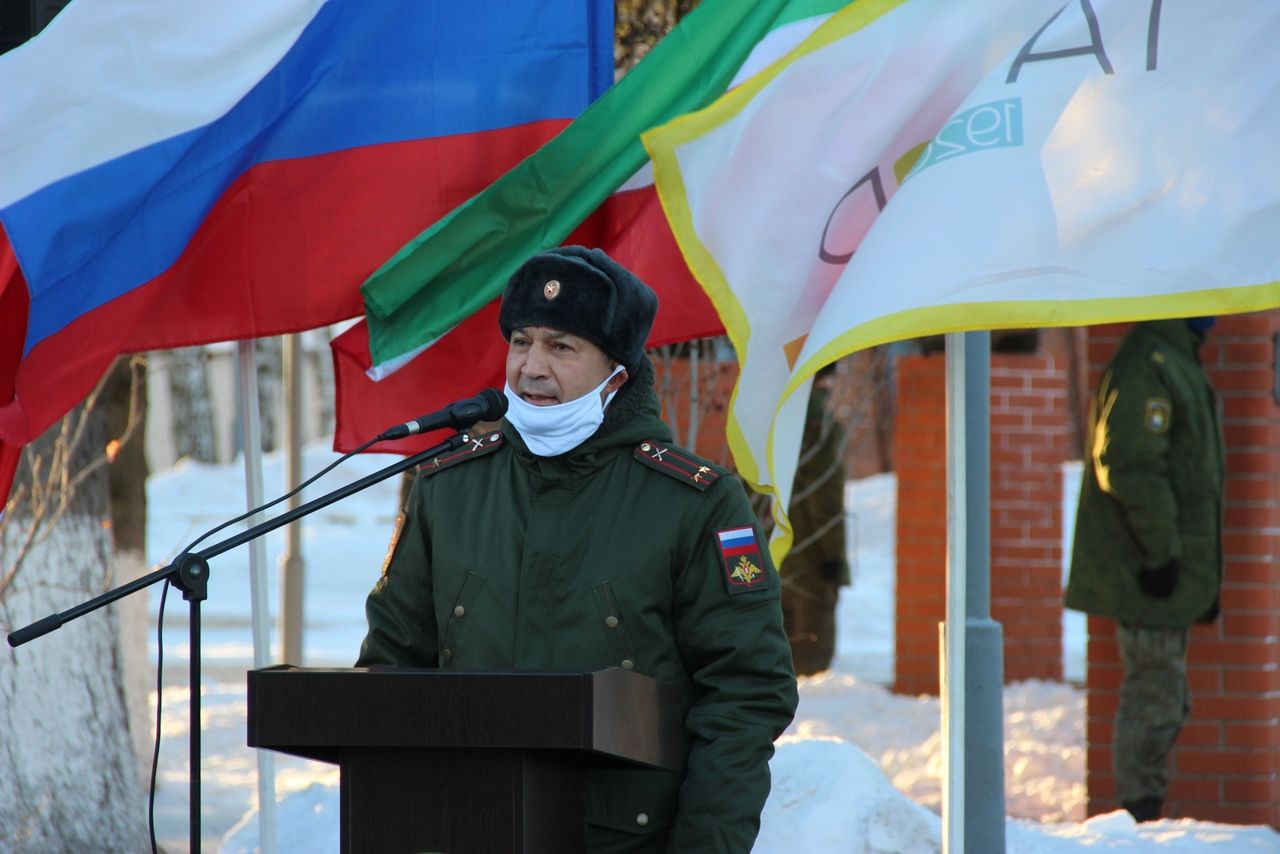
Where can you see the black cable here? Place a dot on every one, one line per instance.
(155, 753)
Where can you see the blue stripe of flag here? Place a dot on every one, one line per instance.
(737, 537)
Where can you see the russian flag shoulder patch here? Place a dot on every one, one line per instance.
(740, 555)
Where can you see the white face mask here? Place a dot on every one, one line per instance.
(550, 431)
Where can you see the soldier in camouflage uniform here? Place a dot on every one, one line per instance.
(1148, 538)
(576, 537)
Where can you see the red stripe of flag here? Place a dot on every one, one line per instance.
(267, 260)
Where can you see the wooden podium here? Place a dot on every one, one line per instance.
(455, 761)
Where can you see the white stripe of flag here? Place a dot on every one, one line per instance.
(737, 537)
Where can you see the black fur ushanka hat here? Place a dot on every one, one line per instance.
(586, 293)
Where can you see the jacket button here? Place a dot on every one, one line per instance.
(642, 819)
(611, 621)
(628, 664)
(448, 653)
(459, 611)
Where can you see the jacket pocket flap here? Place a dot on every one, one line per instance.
(632, 800)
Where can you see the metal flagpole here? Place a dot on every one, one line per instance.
(251, 432)
(292, 566)
(973, 806)
(953, 629)
(984, 638)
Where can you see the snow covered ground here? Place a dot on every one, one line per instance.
(858, 771)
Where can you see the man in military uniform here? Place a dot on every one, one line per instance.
(1148, 538)
(817, 565)
(577, 537)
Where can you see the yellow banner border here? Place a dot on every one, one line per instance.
(1033, 314)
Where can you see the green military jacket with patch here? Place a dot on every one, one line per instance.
(1152, 484)
(603, 557)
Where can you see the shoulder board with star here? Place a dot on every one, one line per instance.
(477, 446)
(678, 463)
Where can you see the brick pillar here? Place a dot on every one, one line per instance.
(1028, 428)
(1028, 446)
(920, 461)
(1226, 765)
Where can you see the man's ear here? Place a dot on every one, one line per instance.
(617, 380)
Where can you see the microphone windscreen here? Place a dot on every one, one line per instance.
(495, 405)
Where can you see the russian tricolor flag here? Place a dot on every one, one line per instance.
(738, 541)
(179, 173)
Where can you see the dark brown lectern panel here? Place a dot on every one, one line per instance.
(310, 711)
(455, 761)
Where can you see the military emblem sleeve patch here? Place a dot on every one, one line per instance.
(740, 555)
(1157, 414)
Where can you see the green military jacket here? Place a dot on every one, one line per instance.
(607, 556)
(1152, 484)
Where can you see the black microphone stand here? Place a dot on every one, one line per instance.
(190, 574)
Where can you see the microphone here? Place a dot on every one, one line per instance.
(488, 405)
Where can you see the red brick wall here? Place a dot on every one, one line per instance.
(1226, 765)
(1028, 447)
(1028, 443)
(920, 461)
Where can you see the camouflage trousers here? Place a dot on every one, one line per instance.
(1154, 704)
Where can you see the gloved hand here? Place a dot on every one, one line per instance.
(1159, 581)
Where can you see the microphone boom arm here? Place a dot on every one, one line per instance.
(55, 621)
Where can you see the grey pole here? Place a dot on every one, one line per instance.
(984, 683)
(952, 635)
(251, 441)
(292, 567)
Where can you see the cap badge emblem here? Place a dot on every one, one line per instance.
(551, 289)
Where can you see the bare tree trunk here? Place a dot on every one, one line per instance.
(320, 359)
(192, 404)
(124, 401)
(70, 780)
(267, 360)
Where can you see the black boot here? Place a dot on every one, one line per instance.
(1144, 809)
